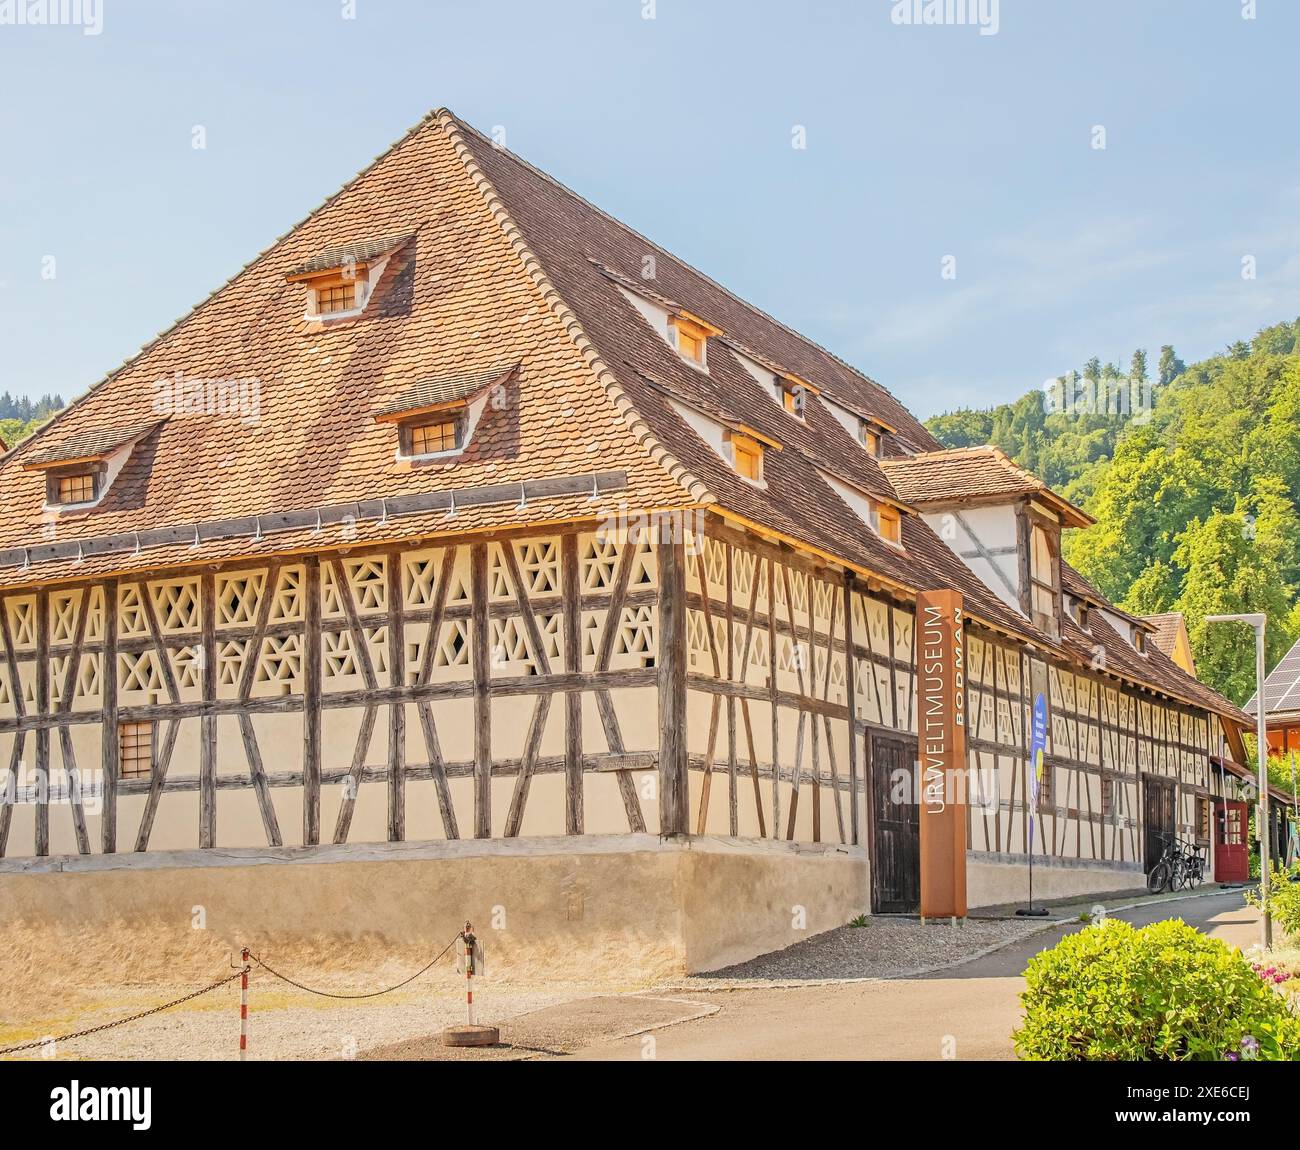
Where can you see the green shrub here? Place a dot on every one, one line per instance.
(1283, 901)
(1165, 992)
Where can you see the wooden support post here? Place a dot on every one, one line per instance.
(311, 714)
(208, 723)
(109, 747)
(574, 814)
(851, 695)
(42, 733)
(481, 658)
(396, 709)
(674, 789)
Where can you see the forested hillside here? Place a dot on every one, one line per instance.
(21, 416)
(1195, 499)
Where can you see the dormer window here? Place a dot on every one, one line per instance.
(340, 281)
(1081, 612)
(890, 523)
(690, 336)
(1139, 640)
(872, 437)
(79, 470)
(793, 394)
(436, 417)
(746, 457)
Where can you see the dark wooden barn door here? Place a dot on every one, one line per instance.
(1158, 815)
(895, 826)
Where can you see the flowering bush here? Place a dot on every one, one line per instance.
(1165, 992)
(1283, 901)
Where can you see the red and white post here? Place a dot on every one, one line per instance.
(243, 1010)
(471, 1034)
(467, 937)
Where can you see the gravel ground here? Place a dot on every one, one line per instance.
(887, 947)
(536, 1017)
(283, 1023)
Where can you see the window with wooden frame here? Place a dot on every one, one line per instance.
(747, 457)
(872, 438)
(690, 337)
(891, 523)
(1139, 640)
(433, 434)
(793, 398)
(70, 486)
(1202, 819)
(135, 750)
(1107, 798)
(1042, 572)
(336, 297)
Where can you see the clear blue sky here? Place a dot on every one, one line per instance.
(922, 142)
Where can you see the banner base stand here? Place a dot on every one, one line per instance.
(1032, 912)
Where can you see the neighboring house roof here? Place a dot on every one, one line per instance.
(1281, 686)
(973, 476)
(503, 266)
(1166, 629)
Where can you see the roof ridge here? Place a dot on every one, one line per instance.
(587, 348)
(758, 311)
(150, 344)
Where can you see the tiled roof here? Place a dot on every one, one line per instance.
(971, 474)
(959, 473)
(446, 389)
(1165, 628)
(340, 255)
(93, 443)
(504, 266)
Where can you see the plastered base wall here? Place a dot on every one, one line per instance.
(622, 907)
(992, 880)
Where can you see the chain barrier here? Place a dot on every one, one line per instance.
(122, 1021)
(370, 994)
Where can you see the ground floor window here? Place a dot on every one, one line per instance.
(135, 750)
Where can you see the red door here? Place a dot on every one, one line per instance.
(1231, 852)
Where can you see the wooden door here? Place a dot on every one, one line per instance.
(1158, 816)
(1231, 850)
(895, 827)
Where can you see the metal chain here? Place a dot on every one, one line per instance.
(122, 1021)
(371, 994)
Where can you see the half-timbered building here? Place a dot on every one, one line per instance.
(473, 547)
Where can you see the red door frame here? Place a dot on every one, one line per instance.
(1231, 859)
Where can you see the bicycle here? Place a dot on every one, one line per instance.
(1175, 867)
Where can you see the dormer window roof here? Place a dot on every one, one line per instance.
(341, 280)
(437, 416)
(80, 469)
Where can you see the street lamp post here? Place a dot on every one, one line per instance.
(1258, 621)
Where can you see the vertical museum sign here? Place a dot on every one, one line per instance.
(941, 667)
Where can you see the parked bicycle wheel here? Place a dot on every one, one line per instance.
(1159, 877)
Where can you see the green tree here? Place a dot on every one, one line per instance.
(1170, 366)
